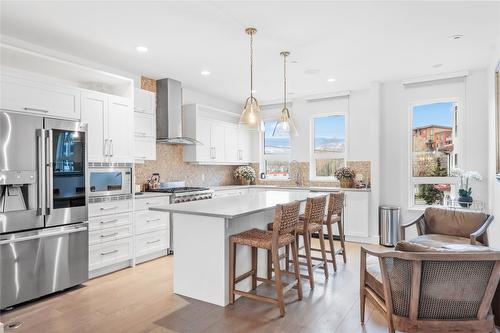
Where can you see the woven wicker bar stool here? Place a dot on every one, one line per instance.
(285, 223)
(312, 222)
(334, 215)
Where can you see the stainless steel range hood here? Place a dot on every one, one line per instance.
(169, 113)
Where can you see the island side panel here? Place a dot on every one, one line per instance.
(200, 258)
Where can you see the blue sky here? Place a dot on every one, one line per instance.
(437, 114)
(330, 127)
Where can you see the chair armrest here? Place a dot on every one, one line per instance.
(481, 231)
(403, 227)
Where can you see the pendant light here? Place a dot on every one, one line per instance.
(251, 116)
(285, 124)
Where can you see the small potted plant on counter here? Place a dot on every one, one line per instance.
(464, 191)
(245, 174)
(345, 175)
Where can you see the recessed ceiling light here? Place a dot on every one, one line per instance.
(331, 79)
(456, 37)
(205, 73)
(142, 49)
(437, 65)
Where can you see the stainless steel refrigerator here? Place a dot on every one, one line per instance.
(43, 206)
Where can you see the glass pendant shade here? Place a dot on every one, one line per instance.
(251, 116)
(286, 125)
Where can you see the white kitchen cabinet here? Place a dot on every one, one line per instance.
(231, 148)
(144, 125)
(95, 110)
(120, 129)
(244, 145)
(109, 120)
(144, 101)
(356, 215)
(151, 236)
(223, 142)
(43, 99)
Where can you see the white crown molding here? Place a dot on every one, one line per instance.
(436, 77)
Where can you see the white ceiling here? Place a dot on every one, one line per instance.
(354, 42)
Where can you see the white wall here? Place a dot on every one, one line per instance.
(494, 184)
(190, 96)
(394, 161)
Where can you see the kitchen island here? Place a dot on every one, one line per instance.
(201, 231)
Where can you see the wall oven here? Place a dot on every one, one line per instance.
(111, 179)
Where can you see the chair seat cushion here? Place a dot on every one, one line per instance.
(415, 247)
(373, 276)
(437, 241)
(452, 222)
(260, 238)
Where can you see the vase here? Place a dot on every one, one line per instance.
(245, 181)
(346, 183)
(465, 201)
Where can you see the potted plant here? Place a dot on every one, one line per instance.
(464, 191)
(345, 175)
(245, 174)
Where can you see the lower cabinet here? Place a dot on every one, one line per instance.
(152, 229)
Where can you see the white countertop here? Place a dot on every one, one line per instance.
(236, 206)
(310, 188)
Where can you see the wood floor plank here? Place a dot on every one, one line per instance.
(141, 300)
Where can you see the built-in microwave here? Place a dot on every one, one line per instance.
(110, 180)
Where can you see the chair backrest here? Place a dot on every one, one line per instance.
(336, 203)
(448, 285)
(452, 222)
(315, 210)
(286, 218)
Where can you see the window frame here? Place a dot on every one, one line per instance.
(273, 157)
(313, 155)
(458, 149)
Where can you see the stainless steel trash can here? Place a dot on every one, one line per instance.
(388, 225)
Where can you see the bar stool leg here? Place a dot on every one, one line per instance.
(307, 248)
(232, 268)
(254, 267)
(296, 269)
(323, 252)
(277, 276)
(332, 248)
(269, 265)
(287, 258)
(342, 239)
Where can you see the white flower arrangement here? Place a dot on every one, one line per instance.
(245, 172)
(465, 177)
(344, 173)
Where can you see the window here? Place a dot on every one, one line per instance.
(276, 157)
(328, 146)
(434, 152)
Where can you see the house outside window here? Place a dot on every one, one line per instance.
(328, 146)
(276, 153)
(434, 152)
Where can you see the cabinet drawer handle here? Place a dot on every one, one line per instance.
(152, 220)
(109, 235)
(109, 221)
(152, 242)
(37, 110)
(109, 208)
(109, 252)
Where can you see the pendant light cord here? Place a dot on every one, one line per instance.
(251, 66)
(284, 81)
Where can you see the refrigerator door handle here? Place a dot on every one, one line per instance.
(43, 235)
(49, 169)
(40, 136)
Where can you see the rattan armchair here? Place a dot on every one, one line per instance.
(450, 226)
(431, 291)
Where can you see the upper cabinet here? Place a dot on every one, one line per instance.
(222, 140)
(144, 125)
(109, 120)
(34, 97)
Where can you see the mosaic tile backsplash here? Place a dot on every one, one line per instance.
(171, 167)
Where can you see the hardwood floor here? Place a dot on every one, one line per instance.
(140, 299)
